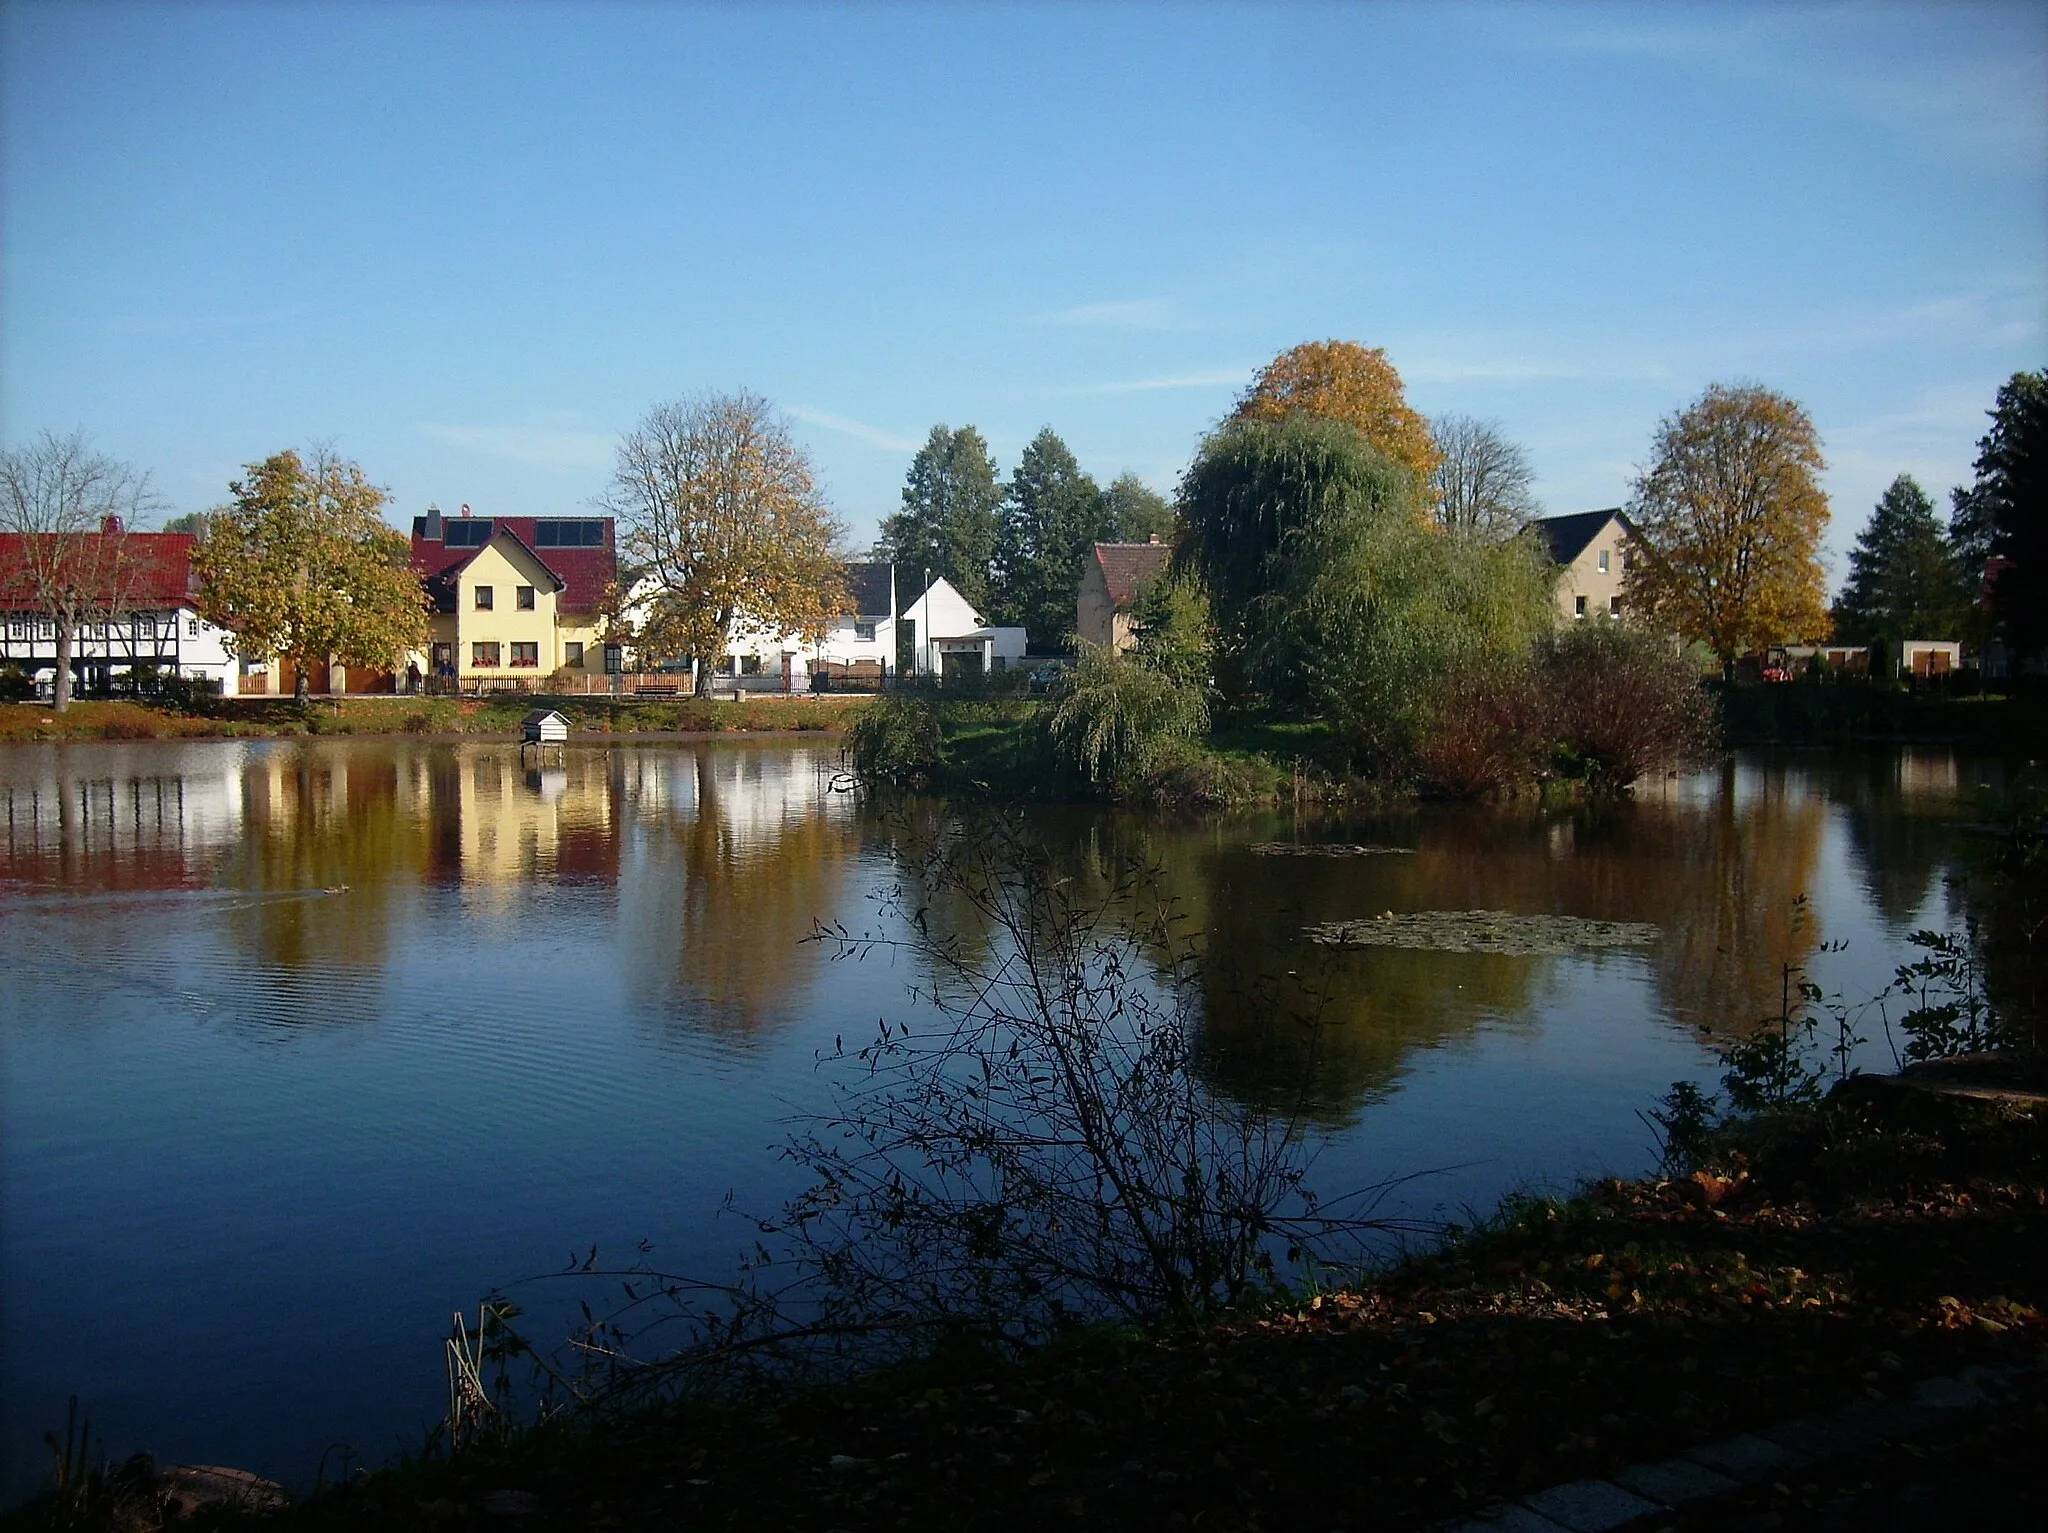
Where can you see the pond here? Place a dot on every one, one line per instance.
(306, 1044)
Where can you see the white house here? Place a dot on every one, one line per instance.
(157, 627)
(947, 637)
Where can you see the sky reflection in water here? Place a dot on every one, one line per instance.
(304, 1044)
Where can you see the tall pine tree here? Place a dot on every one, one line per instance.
(948, 523)
(1904, 579)
(1051, 515)
(2007, 508)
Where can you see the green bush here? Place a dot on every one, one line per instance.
(895, 742)
(1115, 713)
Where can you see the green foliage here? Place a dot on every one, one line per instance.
(1052, 513)
(1904, 581)
(949, 521)
(1255, 482)
(1684, 1122)
(1367, 613)
(1137, 512)
(1949, 1012)
(1115, 714)
(895, 742)
(1174, 632)
(2007, 507)
(302, 564)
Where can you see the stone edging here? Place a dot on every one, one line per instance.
(1642, 1491)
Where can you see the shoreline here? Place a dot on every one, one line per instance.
(1785, 1302)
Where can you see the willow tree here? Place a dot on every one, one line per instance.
(1256, 481)
(1344, 381)
(64, 510)
(724, 525)
(1730, 512)
(301, 564)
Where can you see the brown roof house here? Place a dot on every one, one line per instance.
(1113, 578)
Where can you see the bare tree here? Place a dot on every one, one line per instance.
(65, 510)
(1483, 481)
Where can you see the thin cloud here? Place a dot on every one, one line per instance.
(1117, 314)
(535, 446)
(874, 436)
(1219, 378)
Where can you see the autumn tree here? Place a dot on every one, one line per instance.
(2005, 511)
(1904, 581)
(950, 518)
(1137, 512)
(1052, 514)
(64, 510)
(301, 564)
(1344, 381)
(1730, 512)
(723, 523)
(1483, 483)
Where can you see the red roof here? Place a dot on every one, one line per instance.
(1127, 568)
(585, 573)
(155, 569)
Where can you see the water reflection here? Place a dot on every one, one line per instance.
(704, 867)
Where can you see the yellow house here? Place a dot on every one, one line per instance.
(516, 599)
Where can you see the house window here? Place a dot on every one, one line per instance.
(614, 658)
(572, 654)
(145, 630)
(750, 665)
(1603, 561)
(17, 628)
(864, 631)
(484, 598)
(1614, 606)
(525, 654)
(1628, 560)
(725, 666)
(1579, 607)
(191, 627)
(484, 652)
(522, 597)
(46, 628)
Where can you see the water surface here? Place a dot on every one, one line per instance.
(306, 1044)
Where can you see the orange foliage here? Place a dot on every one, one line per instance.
(1352, 383)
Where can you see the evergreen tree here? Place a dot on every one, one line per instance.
(1904, 581)
(2008, 508)
(1051, 515)
(1137, 512)
(948, 523)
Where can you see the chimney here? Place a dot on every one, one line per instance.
(465, 509)
(110, 526)
(431, 531)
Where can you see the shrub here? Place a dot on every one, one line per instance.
(1489, 733)
(894, 743)
(1116, 712)
(1624, 701)
(16, 685)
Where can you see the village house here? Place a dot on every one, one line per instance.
(1113, 580)
(856, 651)
(1592, 550)
(948, 639)
(515, 599)
(151, 626)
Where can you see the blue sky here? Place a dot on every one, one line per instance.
(469, 245)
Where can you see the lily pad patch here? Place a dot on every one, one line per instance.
(1324, 849)
(1484, 931)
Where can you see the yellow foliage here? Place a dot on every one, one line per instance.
(1345, 381)
(1731, 513)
